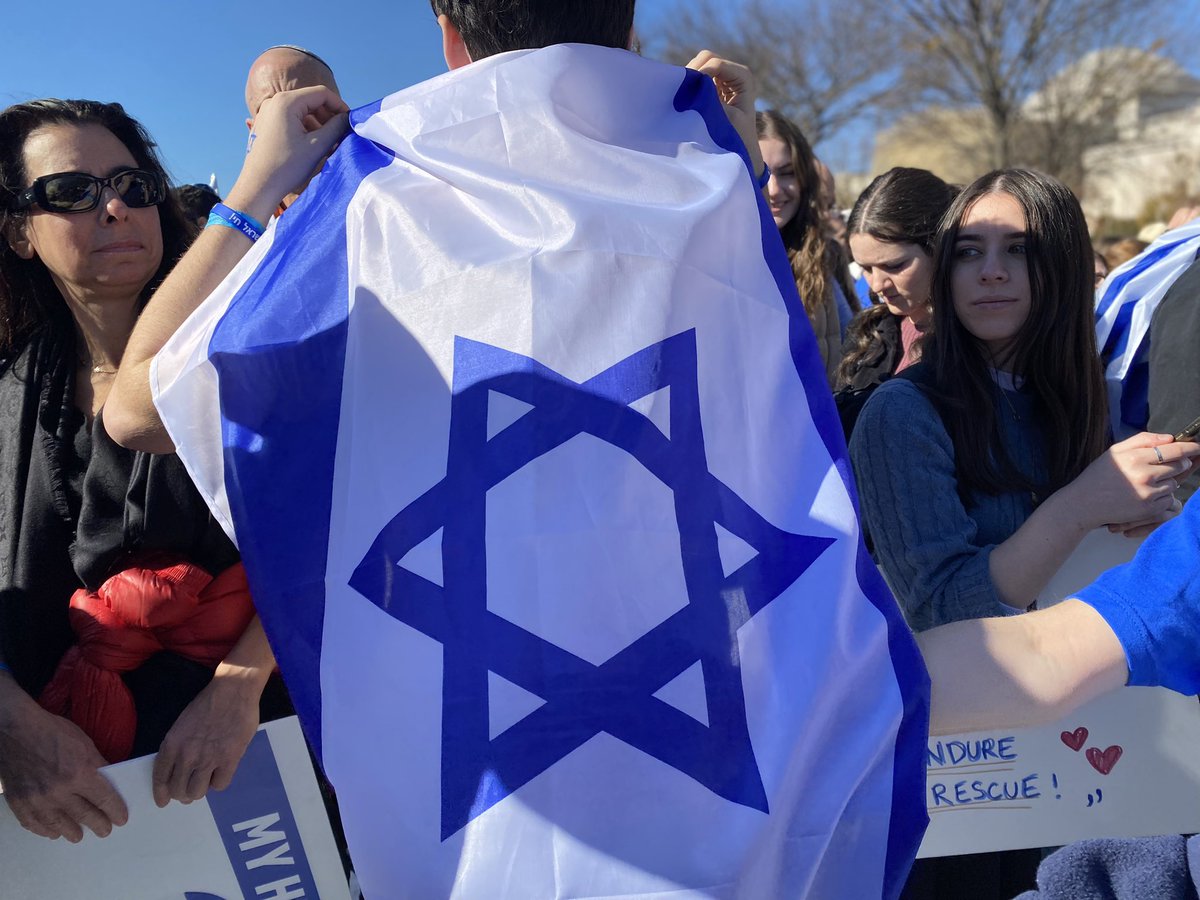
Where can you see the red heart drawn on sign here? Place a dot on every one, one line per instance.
(1074, 739)
(1104, 760)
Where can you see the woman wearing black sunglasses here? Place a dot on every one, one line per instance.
(119, 594)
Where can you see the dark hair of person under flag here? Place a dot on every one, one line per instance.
(489, 27)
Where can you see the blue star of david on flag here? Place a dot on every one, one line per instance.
(582, 699)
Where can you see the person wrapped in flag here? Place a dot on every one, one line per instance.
(520, 428)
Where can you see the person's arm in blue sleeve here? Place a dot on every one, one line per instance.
(1152, 604)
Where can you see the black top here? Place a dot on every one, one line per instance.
(886, 351)
(75, 508)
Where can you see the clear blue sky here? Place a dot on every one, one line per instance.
(180, 66)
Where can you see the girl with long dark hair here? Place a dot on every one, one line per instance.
(981, 468)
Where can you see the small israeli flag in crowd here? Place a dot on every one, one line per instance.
(518, 422)
(1125, 305)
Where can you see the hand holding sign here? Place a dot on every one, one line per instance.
(50, 772)
(204, 746)
(265, 836)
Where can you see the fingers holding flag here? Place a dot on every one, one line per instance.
(295, 132)
(735, 82)
(1183, 215)
(738, 92)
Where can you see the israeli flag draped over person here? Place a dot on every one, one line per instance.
(1125, 305)
(518, 422)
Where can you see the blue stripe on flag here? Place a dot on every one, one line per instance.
(360, 115)
(1135, 395)
(908, 817)
(1118, 337)
(279, 361)
(1145, 261)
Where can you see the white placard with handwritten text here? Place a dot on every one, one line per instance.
(1125, 765)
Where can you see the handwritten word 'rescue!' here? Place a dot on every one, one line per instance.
(968, 791)
(269, 849)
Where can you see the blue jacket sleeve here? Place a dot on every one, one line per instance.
(1152, 603)
(925, 542)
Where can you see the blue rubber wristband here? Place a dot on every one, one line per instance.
(231, 218)
(5, 668)
(764, 177)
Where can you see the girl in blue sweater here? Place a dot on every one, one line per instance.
(981, 468)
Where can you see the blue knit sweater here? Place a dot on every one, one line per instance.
(1158, 868)
(934, 550)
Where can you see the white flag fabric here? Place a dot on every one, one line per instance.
(1125, 305)
(519, 425)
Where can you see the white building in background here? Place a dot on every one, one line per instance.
(1143, 134)
(1139, 132)
(1160, 155)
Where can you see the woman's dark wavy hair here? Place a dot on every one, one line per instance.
(1054, 352)
(901, 206)
(28, 297)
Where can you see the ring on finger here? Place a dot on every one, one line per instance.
(1158, 453)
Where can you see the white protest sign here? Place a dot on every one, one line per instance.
(267, 836)
(1125, 765)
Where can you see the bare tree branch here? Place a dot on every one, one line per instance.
(817, 62)
(985, 83)
(1030, 66)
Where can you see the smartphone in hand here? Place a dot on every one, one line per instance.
(1189, 433)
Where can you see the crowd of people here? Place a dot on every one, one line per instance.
(964, 365)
